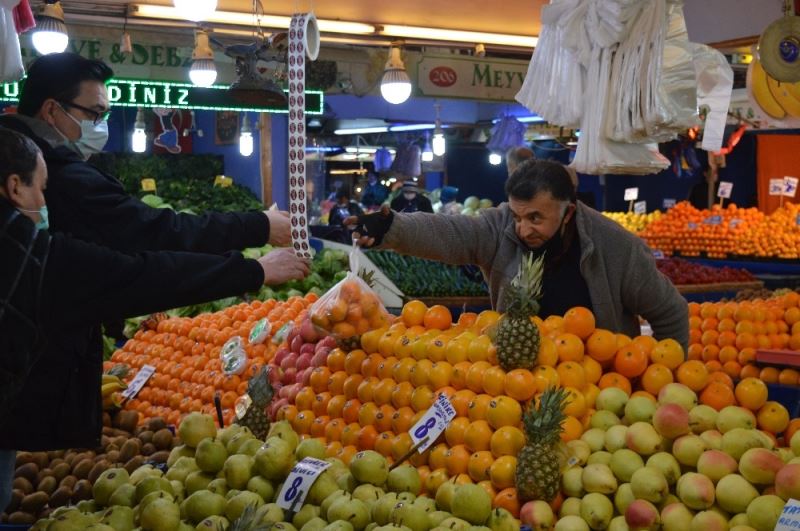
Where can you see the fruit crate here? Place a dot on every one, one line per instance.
(788, 396)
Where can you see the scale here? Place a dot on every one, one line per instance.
(779, 46)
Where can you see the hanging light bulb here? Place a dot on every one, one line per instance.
(427, 152)
(203, 72)
(439, 145)
(139, 137)
(196, 10)
(125, 45)
(246, 138)
(395, 84)
(50, 35)
(495, 159)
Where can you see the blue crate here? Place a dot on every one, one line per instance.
(788, 396)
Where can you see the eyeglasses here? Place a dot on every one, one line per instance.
(99, 117)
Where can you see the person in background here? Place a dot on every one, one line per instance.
(449, 206)
(516, 156)
(374, 193)
(63, 107)
(589, 260)
(410, 200)
(343, 209)
(54, 283)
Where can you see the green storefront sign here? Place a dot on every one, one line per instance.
(174, 95)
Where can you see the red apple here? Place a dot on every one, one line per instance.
(289, 361)
(280, 354)
(308, 348)
(296, 344)
(289, 376)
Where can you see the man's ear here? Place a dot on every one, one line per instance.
(12, 189)
(47, 112)
(571, 208)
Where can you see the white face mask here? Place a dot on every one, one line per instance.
(409, 195)
(93, 137)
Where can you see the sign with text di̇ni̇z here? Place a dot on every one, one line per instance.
(160, 94)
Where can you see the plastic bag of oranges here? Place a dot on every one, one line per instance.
(350, 308)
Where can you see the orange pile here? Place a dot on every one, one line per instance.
(185, 353)
(740, 231)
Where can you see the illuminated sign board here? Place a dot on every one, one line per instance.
(169, 95)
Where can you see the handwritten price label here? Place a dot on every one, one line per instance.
(631, 194)
(138, 382)
(433, 423)
(776, 187)
(658, 255)
(713, 220)
(640, 207)
(148, 185)
(725, 189)
(790, 516)
(668, 203)
(301, 478)
(222, 181)
(790, 186)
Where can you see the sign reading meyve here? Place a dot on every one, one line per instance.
(159, 94)
(456, 76)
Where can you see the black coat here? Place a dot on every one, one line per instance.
(337, 216)
(90, 205)
(59, 405)
(419, 204)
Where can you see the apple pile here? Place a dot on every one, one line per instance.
(682, 272)
(672, 465)
(216, 475)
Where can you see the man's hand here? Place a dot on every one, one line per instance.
(283, 265)
(280, 228)
(371, 228)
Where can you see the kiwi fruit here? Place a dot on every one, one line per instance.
(134, 463)
(43, 474)
(60, 497)
(159, 457)
(98, 468)
(16, 498)
(162, 439)
(156, 424)
(41, 459)
(21, 518)
(82, 469)
(131, 448)
(33, 503)
(82, 491)
(112, 448)
(55, 462)
(127, 420)
(106, 419)
(23, 484)
(68, 482)
(69, 458)
(146, 436)
(23, 458)
(112, 456)
(29, 471)
(119, 440)
(108, 431)
(47, 485)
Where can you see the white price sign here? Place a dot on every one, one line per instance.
(433, 423)
(776, 187)
(658, 255)
(790, 186)
(790, 516)
(725, 189)
(631, 194)
(139, 380)
(668, 203)
(640, 207)
(301, 478)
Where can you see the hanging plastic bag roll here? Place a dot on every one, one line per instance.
(303, 41)
(714, 87)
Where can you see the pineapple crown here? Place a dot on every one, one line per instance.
(247, 521)
(260, 389)
(525, 289)
(543, 423)
(368, 277)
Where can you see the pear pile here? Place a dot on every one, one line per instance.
(227, 479)
(671, 465)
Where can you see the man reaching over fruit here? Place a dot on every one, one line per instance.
(49, 285)
(589, 260)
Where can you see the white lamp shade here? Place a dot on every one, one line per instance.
(395, 86)
(439, 145)
(196, 10)
(139, 141)
(427, 156)
(245, 143)
(495, 159)
(203, 72)
(49, 41)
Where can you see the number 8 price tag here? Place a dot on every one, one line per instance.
(301, 478)
(425, 432)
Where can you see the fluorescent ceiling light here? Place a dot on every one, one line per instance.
(524, 119)
(474, 37)
(411, 127)
(365, 149)
(383, 129)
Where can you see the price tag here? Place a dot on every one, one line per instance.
(222, 182)
(668, 203)
(260, 331)
(725, 189)
(148, 185)
(640, 207)
(631, 194)
(776, 187)
(139, 380)
(790, 186)
(713, 220)
(735, 222)
(797, 220)
(692, 225)
(790, 516)
(658, 255)
(301, 478)
(433, 423)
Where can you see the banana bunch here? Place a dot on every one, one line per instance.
(776, 99)
(111, 385)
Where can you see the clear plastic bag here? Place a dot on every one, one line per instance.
(350, 308)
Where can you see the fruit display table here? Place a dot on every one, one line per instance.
(721, 287)
(788, 358)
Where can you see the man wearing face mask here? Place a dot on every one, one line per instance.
(49, 284)
(590, 260)
(410, 200)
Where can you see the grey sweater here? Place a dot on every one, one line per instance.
(618, 267)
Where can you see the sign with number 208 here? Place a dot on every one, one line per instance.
(433, 423)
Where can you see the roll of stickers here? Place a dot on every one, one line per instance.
(303, 41)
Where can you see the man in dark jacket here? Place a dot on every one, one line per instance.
(63, 106)
(410, 200)
(343, 209)
(49, 285)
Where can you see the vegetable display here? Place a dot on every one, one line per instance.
(417, 277)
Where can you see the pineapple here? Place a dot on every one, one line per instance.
(539, 462)
(517, 338)
(255, 402)
(250, 520)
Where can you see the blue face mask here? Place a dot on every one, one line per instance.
(44, 218)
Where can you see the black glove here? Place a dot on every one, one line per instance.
(371, 228)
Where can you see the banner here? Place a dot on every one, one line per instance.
(474, 78)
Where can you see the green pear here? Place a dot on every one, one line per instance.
(369, 467)
(119, 518)
(238, 440)
(404, 479)
(160, 515)
(471, 503)
(197, 481)
(178, 452)
(324, 486)
(346, 482)
(310, 448)
(270, 513)
(427, 504)
(283, 526)
(152, 484)
(409, 515)
(306, 513)
(210, 455)
(456, 524)
(226, 434)
(157, 495)
(327, 502)
(445, 494)
(262, 487)
(274, 460)
(350, 510)
(283, 430)
(125, 495)
(367, 493)
(213, 523)
(182, 468)
(315, 524)
(202, 504)
(382, 509)
(145, 471)
(195, 427)
(339, 525)
(236, 505)
(238, 470)
(219, 486)
(107, 483)
(435, 518)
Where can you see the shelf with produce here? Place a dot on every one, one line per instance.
(719, 287)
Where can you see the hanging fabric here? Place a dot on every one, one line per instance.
(11, 67)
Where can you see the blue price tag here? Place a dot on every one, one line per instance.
(658, 255)
(302, 477)
(433, 423)
(735, 223)
(713, 220)
(668, 203)
(692, 225)
(797, 221)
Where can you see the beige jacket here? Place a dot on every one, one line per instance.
(618, 267)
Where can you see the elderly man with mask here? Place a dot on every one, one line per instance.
(590, 260)
(410, 200)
